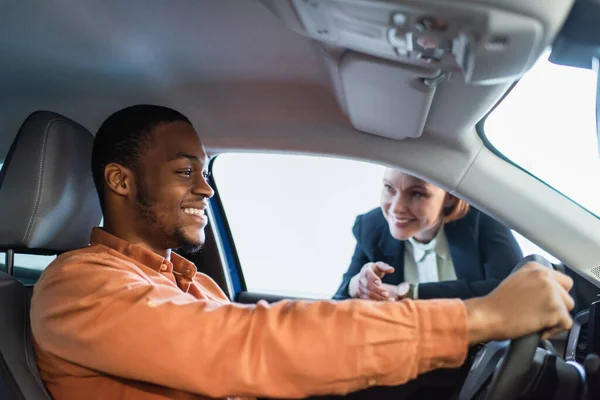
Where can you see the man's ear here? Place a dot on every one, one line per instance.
(118, 179)
(450, 201)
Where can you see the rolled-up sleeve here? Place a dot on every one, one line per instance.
(119, 323)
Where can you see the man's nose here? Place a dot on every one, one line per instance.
(203, 188)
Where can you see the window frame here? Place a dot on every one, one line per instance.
(230, 256)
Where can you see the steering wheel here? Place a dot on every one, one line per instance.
(511, 373)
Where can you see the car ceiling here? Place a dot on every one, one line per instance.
(220, 62)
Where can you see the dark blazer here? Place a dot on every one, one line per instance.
(483, 252)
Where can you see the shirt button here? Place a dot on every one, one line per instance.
(372, 382)
(163, 267)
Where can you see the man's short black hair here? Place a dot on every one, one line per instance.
(124, 136)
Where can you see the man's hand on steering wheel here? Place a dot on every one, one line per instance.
(533, 302)
(535, 298)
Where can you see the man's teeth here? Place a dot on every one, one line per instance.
(402, 221)
(193, 211)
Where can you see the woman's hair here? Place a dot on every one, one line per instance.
(457, 211)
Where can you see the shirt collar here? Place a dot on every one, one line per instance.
(439, 245)
(178, 265)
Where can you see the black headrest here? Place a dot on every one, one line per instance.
(47, 197)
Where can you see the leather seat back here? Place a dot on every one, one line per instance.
(19, 375)
(48, 204)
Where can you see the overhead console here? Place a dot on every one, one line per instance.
(482, 40)
(391, 55)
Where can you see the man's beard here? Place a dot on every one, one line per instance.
(176, 237)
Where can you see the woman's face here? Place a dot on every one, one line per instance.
(411, 206)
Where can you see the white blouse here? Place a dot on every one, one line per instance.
(428, 262)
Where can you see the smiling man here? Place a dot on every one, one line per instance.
(152, 162)
(126, 318)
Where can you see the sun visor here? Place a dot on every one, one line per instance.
(385, 98)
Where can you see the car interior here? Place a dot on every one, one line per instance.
(400, 83)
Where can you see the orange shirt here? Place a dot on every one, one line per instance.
(116, 321)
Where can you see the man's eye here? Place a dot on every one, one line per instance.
(185, 172)
(206, 174)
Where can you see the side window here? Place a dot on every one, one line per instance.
(534, 137)
(291, 217)
(28, 267)
(528, 247)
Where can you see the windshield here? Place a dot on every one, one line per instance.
(547, 126)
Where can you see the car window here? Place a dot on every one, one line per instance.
(547, 126)
(528, 247)
(291, 218)
(28, 267)
(31, 261)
